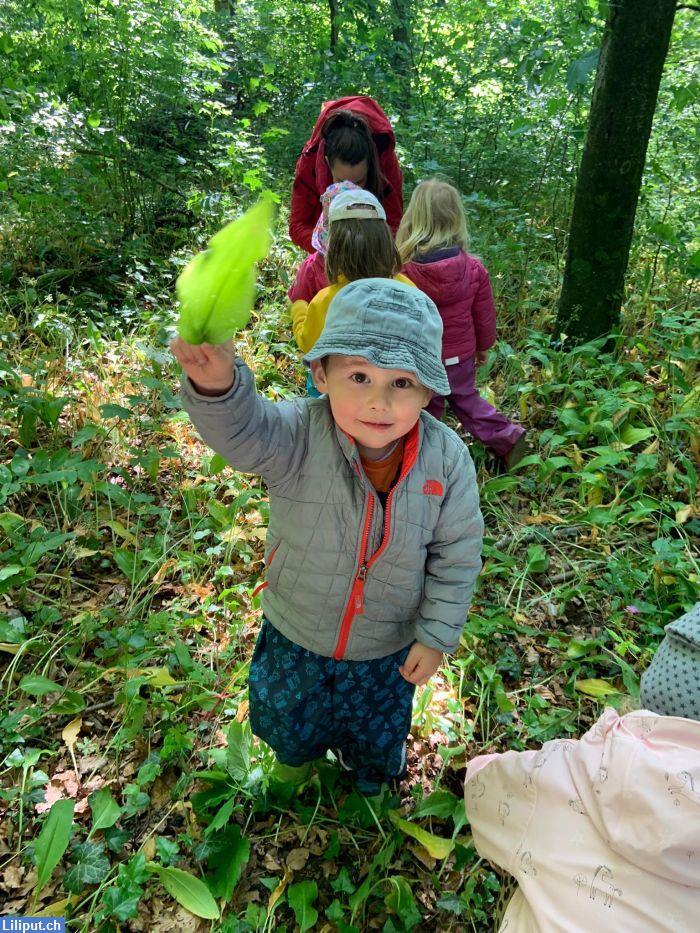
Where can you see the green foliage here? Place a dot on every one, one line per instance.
(302, 897)
(130, 133)
(187, 890)
(216, 289)
(52, 841)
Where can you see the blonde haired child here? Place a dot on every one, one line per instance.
(432, 240)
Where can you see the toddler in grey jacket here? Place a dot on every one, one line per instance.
(375, 533)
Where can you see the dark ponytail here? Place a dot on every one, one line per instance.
(349, 139)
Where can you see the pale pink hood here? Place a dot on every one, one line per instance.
(639, 779)
(601, 833)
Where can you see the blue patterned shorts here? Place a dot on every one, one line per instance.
(303, 704)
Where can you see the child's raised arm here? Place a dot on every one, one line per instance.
(254, 434)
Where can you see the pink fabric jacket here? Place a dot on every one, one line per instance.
(461, 289)
(310, 278)
(601, 834)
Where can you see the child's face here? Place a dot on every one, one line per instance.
(344, 171)
(375, 406)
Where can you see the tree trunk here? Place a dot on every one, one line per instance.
(333, 13)
(632, 54)
(401, 29)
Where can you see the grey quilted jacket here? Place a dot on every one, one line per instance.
(345, 577)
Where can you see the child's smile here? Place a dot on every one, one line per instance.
(374, 406)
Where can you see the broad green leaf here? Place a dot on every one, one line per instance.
(53, 841)
(238, 751)
(440, 803)
(223, 815)
(537, 559)
(10, 570)
(400, 901)
(301, 898)
(38, 686)
(105, 810)
(594, 687)
(187, 890)
(580, 69)
(228, 862)
(217, 288)
(435, 845)
(91, 867)
(629, 435)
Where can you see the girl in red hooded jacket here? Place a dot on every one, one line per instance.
(351, 141)
(432, 241)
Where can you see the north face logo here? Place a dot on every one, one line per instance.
(432, 487)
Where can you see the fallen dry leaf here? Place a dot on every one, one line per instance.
(297, 858)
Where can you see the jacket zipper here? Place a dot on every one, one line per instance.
(356, 602)
(268, 564)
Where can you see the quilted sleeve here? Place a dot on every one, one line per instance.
(306, 205)
(393, 201)
(254, 434)
(454, 561)
(484, 312)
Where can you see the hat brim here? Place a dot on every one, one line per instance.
(385, 352)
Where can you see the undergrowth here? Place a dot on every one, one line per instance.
(128, 561)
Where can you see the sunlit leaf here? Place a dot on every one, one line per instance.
(435, 845)
(216, 289)
(187, 890)
(595, 687)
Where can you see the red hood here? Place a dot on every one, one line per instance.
(365, 107)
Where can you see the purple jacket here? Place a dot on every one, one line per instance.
(460, 287)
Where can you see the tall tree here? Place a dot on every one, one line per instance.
(633, 51)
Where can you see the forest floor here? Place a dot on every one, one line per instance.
(128, 560)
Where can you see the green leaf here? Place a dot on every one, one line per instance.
(238, 751)
(594, 687)
(91, 867)
(435, 845)
(301, 898)
(400, 901)
(537, 559)
(440, 803)
(105, 810)
(38, 686)
(93, 120)
(223, 815)
(579, 70)
(217, 464)
(229, 861)
(187, 890)
(217, 288)
(120, 903)
(629, 435)
(10, 570)
(53, 841)
(167, 850)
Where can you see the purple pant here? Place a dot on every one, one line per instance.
(482, 420)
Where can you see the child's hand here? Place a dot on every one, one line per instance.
(481, 356)
(420, 664)
(209, 367)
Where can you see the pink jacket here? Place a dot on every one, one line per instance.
(601, 833)
(461, 289)
(310, 279)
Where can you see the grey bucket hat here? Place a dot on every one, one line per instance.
(388, 323)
